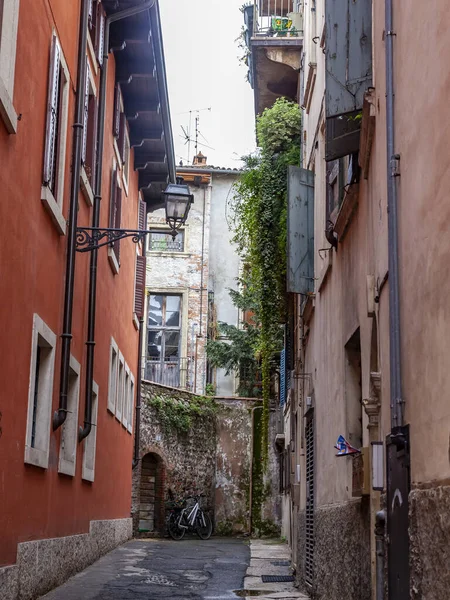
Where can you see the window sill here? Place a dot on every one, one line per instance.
(136, 322)
(86, 187)
(117, 153)
(310, 84)
(347, 210)
(124, 183)
(66, 467)
(53, 209)
(165, 254)
(325, 271)
(113, 262)
(92, 54)
(36, 457)
(88, 475)
(7, 112)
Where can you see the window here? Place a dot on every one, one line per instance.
(126, 159)
(130, 403)
(335, 185)
(161, 240)
(97, 28)
(126, 397)
(120, 389)
(52, 192)
(139, 286)
(115, 214)
(40, 394)
(9, 18)
(90, 443)
(69, 433)
(113, 366)
(163, 339)
(89, 148)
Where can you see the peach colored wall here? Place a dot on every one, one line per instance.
(38, 503)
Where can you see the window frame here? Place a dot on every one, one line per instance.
(89, 120)
(9, 22)
(54, 200)
(38, 455)
(69, 431)
(165, 230)
(90, 442)
(120, 384)
(164, 328)
(115, 217)
(112, 379)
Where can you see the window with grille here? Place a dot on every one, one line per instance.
(309, 549)
(162, 241)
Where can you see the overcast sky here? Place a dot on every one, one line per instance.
(203, 71)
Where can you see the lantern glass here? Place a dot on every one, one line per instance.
(178, 201)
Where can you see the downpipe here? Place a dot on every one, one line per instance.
(90, 343)
(380, 523)
(60, 415)
(137, 421)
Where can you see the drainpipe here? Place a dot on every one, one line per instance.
(137, 427)
(380, 521)
(60, 415)
(199, 335)
(392, 173)
(90, 343)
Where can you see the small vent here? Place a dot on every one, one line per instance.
(277, 578)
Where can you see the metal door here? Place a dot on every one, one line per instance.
(398, 486)
(309, 545)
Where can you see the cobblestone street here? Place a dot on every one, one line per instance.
(153, 569)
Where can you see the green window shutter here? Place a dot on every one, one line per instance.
(348, 75)
(300, 268)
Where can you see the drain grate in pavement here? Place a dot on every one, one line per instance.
(280, 563)
(277, 578)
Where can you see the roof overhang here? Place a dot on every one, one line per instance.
(140, 69)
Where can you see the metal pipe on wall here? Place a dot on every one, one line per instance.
(397, 417)
(137, 422)
(90, 342)
(60, 415)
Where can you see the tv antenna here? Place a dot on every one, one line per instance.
(187, 131)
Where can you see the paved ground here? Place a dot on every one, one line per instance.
(154, 569)
(217, 569)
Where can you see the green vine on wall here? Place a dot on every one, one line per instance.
(260, 229)
(178, 415)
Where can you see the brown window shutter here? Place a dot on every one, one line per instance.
(86, 114)
(112, 198)
(51, 146)
(116, 116)
(117, 216)
(91, 144)
(139, 289)
(142, 215)
(100, 34)
(121, 142)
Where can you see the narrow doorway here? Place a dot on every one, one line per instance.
(309, 545)
(151, 495)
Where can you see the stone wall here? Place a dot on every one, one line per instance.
(429, 518)
(44, 564)
(213, 457)
(341, 552)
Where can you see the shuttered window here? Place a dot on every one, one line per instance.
(122, 141)
(97, 20)
(300, 272)
(139, 291)
(115, 211)
(309, 549)
(89, 149)
(86, 112)
(142, 225)
(54, 110)
(117, 110)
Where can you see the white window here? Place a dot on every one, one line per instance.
(126, 410)
(120, 387)
(40, 394)
(90, 443)
(9, 18)
(69, 433)
(52, 191)
(126, 160)
(113, 369)
(130, 404)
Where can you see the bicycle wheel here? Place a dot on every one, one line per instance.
(175, 532)
(203, 526)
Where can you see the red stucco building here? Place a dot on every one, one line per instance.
(70, 74)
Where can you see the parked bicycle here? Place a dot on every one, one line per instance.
(186, 515)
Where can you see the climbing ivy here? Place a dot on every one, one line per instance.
(259, 220)
(176, 414)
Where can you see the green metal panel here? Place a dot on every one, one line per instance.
(300, 223)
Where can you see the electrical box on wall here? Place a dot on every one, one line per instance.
(361, 473)
(308, 401)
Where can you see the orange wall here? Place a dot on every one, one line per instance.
(38, 503)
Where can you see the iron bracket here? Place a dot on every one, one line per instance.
(92, 238)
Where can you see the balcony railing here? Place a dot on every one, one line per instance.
(172, 373)
(275, 18)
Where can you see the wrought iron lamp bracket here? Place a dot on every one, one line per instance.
(92, 238)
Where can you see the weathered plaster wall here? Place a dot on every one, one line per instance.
(429, 529)
(223, 268)
(181, 273)
(233, 464)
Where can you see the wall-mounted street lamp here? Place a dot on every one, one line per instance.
(177, 200)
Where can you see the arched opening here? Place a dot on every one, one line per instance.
(151, 495)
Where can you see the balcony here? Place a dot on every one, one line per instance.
(274, 37)
(173, 373)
